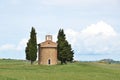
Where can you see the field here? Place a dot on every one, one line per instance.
(22, 70)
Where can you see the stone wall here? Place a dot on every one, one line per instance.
(48, 56)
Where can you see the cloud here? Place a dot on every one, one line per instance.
(97, 38)
(22, 44)
(99, 29)
(7, 47)
(12, 47)
(79, 2)
(72, 36)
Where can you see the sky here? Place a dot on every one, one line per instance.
(92, 27)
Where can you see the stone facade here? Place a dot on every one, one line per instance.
(47, 54)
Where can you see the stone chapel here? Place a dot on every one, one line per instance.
(47, 52)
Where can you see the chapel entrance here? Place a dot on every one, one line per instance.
(49, 61)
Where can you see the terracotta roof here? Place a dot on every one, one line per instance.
(48, 43)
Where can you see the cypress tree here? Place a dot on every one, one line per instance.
(61, 39)
(31, 49)
(70, 53)
(65, 52)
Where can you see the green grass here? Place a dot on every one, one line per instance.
(22, 70)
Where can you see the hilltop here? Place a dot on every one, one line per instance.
(22, 70)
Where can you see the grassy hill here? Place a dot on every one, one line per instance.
(22, 70)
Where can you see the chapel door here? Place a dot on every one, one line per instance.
(49, 62)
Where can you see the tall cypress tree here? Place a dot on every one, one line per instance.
(61, 39)
(31, 49)
(65, 52)
(70, 53)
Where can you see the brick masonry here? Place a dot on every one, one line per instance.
(47, 52)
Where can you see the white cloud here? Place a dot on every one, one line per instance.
(71, 36)
(99, 29)
(99, 37)
(96, 38)
(79, 2)
(7, 47)
(20, 46)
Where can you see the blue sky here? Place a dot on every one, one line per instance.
(91, 26)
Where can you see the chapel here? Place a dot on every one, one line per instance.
(47, 52)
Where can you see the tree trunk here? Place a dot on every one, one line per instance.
(32, 62)
(62, 61)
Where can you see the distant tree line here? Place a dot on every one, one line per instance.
(108, 61)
